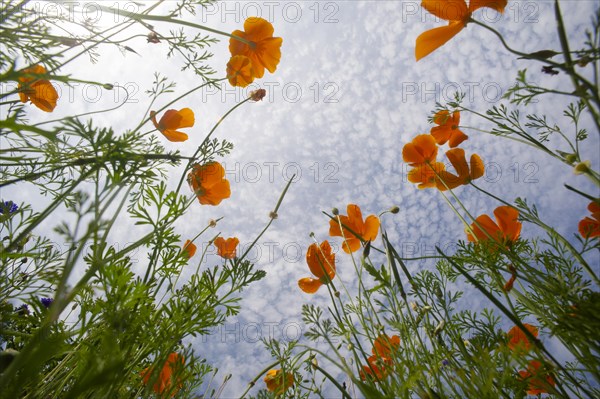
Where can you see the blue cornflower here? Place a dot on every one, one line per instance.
(9, 206)
(46, 302)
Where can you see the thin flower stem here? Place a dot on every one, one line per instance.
(140, 17)
(199, 149)
(568, 68)
(270, 219)
(333, 380)
(93, 112)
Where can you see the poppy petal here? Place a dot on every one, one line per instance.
(441, 134)
(372, 224)
(189, 248)
(420, 150)
(457, 159)
(456, 137)
(450, 10)
(477, 167)
(187, 118)
(309, 285)
(269, 53)
(431, 40)
(507, 218)
(483, 223)
(351, 245)
(497, 5)
(174, 135)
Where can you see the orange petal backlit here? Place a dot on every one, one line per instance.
(239, 71)
(226, 248)
(355, 230)
(589, 227)
(276, 382)
(517, 340)
(189, 249)
(172, 120)
(40, 92)
(422, 149)
(208, 183)
(321, 263)
(266, 49)
(458, 15)
(450, 10)
(431, 40)
(448, 130)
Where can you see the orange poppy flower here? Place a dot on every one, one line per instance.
(381, 360)
(189, 249)
(40, 92)
(448, 130)
(589, 227)
(506, 231)
(457, 14)
(226, 248)
(355, 229)
(172, 120)
(321, 263)
(239, 71)
(276, 382)
(539, 380)
(421, 150)
(165, 382)
(465, 174)
(208, 183)
(266, 49)
(518, 341)
(426, 175)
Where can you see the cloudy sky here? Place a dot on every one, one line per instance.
(346, 96)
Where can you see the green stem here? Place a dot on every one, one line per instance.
(140, 17)
(253, 381)
(199, 149)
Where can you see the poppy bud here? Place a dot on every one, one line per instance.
(108, 86)
(68, 41)
(367, 250)
(439, 327)
(582, 167)
(152, 38)
(258, 95)
(567, 156)
(335, 211)
(394, 209)
(583, 61)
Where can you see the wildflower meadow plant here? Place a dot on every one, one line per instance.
(93, 323)
(90, 321)
(391, 330)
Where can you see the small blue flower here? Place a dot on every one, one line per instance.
(46, 302)
(8, 206)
